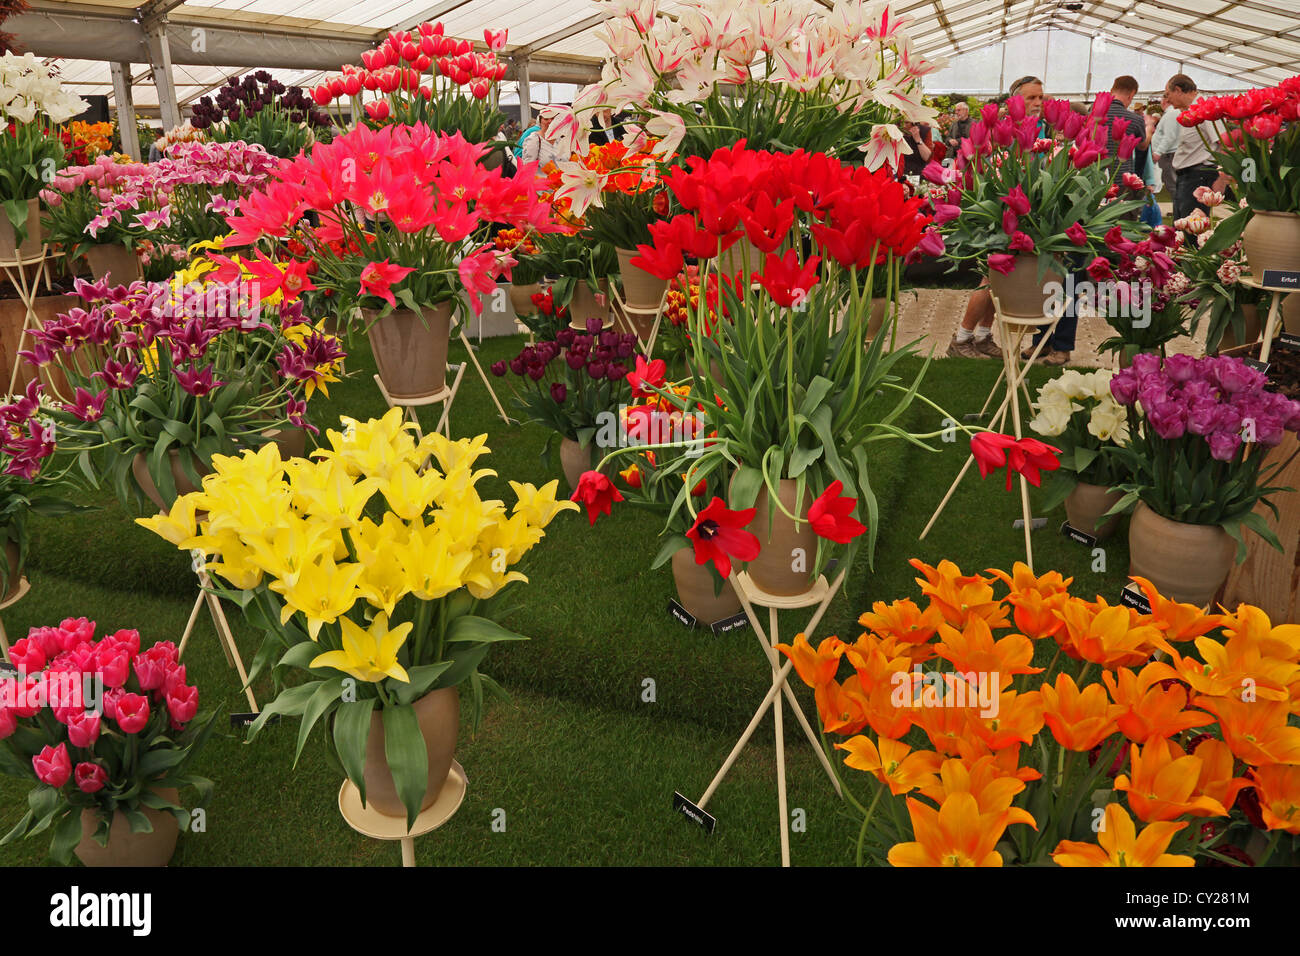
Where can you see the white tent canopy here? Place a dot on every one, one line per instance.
(1077, 47)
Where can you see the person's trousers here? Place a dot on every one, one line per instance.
(1189, 180)
(1062, 339)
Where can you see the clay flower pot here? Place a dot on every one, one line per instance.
(784, 565)
(695, 590)
(1085, 505)
(584, 305)
(574, 459)
(521, 298)
(118, 263)
(641, 290)
(1271, 240)
(411, 354)
(140, 471)
(1186, 562)
(30, 248)
(438, 713)
(126, 848)
(1020, 293)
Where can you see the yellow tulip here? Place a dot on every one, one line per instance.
(369, 655)
(323, 592)
(538, 505)
(176, 526)
(410, 494)
(433, 568)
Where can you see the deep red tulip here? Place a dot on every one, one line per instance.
(596, 493)
(829, 515)
(719, 535)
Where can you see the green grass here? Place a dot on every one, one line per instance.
(582, 767)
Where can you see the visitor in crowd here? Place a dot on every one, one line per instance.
(1166, 133)
(523, 138)
(1122, 91)
(917, 137)
(974, 337)
(959, 129)
(1193, 163)
(537, 148)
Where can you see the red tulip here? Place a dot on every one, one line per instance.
(990, 451)
(1002, 263)
(596, 493)
(647, 374)
(1077, 234)
(785, 280)
(829, 515)
(1028, 457)
(1017, 201)
(719, 535)
(90, 777)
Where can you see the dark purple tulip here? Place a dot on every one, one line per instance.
(625, 349)
(517, 365)
(596, 370)
(594, 325)
(559, 393)
(576, 360)
(565, 336)
(617, 372)
(536, 372)
(499, 368)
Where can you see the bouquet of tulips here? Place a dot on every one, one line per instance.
(617, 190)
(784, 75)
(1198, 446)
(569, 383)
(367, 565)
(1137, 287)
(1260, 148)
(1077, 411)
(423, 78)
(1015, 190)
(259, 109)
(98, 725)
(27, 486)
(971, 753)
(777, 351)
(163, 377)
(32, 104)
(408, 217)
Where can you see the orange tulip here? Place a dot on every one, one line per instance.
(1106, 635)
(889, 710)
(973, 649)
(1019, 717)
(984, 779)
(1251, 625)
(1007, 758)
(945, 726)
(954, 835)
(843, 708)
(892, 762)
(1163, 784)
(1149, 710)
(1035, 599)
(1278, 787)
(818, 667)
(1237, 668)
(902, 620)
(1119, 844)
(1216, 779)
(959, 597)
(1079, 720)
(1180, 622)
(1257, 732)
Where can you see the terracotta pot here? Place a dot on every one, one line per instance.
(1270, 579)
(641, 290)
(1291, 313)
(15, 571)
(1020, 293)
(733, 260)
(1271, 240)
(140, 470)
(783, 547)
(1250, 314)
(411, 353)
(10, 249)
(521, 298)
(1186, 562)
(292, 441)
(584, 305)
(1085, 505)
(1128, 353)
(438, 713)
(695, 590)
(126, 848)
(117, 262)
(574, 459)
(878, 311)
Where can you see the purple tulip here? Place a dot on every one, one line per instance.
(1234, 375)
(1168, 418)
(596, 370)
(594, 325)
(565, 336)
(517, 365)
(1124, 387)
(536, 372)
(617, 372)
(1224, 445)
(576, 360)
(1181, 368)
(559, 392)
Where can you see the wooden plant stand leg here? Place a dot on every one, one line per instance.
(446, 395)
(224, 635)
(819, 596)
(19, 594)
(16, 272)
(647, 345)
(444, 420)
(481, 374)
(1271, 326)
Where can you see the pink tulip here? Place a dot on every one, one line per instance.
(52, 765)
(1003, 263)
(91, 777)
(132, 713)
(83, 729)
(1017, 201)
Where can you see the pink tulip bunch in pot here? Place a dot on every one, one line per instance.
(1200, 431)
(1028, 195)
(106, 731)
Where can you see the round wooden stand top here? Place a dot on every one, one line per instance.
(785, 602)
(23, 588)
(380, 826)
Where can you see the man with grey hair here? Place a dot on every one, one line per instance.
(959, 129)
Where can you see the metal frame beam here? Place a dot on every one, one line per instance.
(125, 109)
(573, 29)
(525, 92)
(160, 58)
(424, 16)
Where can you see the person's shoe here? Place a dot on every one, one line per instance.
(963, 349)
(1028, 353)
(1054, 358)
(987, 347)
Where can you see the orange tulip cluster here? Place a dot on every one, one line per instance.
(978, 755)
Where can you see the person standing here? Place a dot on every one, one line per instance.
(1194, 164)
(538, 149)
(917, 137)
(1164, 141)
(1122, 91)
(959, 129)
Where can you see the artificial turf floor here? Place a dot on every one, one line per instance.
(577, 768)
